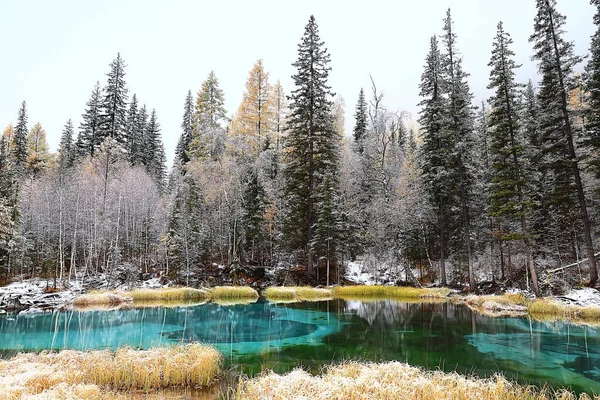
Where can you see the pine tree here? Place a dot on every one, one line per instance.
(114, 103)
(434, 151)
(252, 121)
(592, 82)
(88, 140)
(19, 145)
(311, 147)
(507, 192)
(183, 146)
(66, 149)
(556, 60)
(360, 127)
(459, 125)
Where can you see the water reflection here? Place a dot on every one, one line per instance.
(262, 336)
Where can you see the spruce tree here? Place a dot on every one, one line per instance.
(6, 202)
(435, 148)
(138, 149)
(311, 147)
(556, 60)
(592, 82)
(209, 113)
(19, 145)
(187, 231)
(459, 125)
(153, 153)
(6, 173)
(66, 149)
(328, 228)
(254, 210)
(114, 103)
(183, 145)
(507, 191)
(132, 132)
(360, 127)
(88, 140)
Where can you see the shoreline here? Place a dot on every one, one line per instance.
(579, 306)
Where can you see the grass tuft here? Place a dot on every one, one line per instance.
(100, 298)
(297, 293)
(389, 292)
(89, 375)
(540, 308)
(233, 292)
(168, 294)
(392, 380)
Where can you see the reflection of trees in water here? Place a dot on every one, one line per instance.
(394, 313)
(387, 311)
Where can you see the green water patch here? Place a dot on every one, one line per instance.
(260, 336)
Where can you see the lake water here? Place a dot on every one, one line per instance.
(262, 336)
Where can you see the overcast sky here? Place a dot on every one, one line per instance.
(53, 52)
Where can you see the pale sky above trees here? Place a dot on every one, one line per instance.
(54, 52)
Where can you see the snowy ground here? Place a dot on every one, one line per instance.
(354, 273)
(31, 295)
(582, 297)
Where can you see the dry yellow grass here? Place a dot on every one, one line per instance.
(99, 374)
(393, 380)
(233, 292)
(540, 308)
(389, 292)
(545, 308)
(100, 298)
(297, 293)
(168, 294)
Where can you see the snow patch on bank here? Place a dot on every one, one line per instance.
(355, 273)
(583, 297)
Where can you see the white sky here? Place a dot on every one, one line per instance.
(53, 52)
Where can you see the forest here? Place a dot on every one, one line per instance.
(506, 190)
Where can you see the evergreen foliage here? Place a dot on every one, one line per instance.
(19, 145)
(311, 147)
(592, 81)
(66, 149)
(563, 192)
(113, 118)
(89, 138)
(183, 145)
(434, 153)
(360, 127)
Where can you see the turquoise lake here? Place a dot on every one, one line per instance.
(262, 336)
